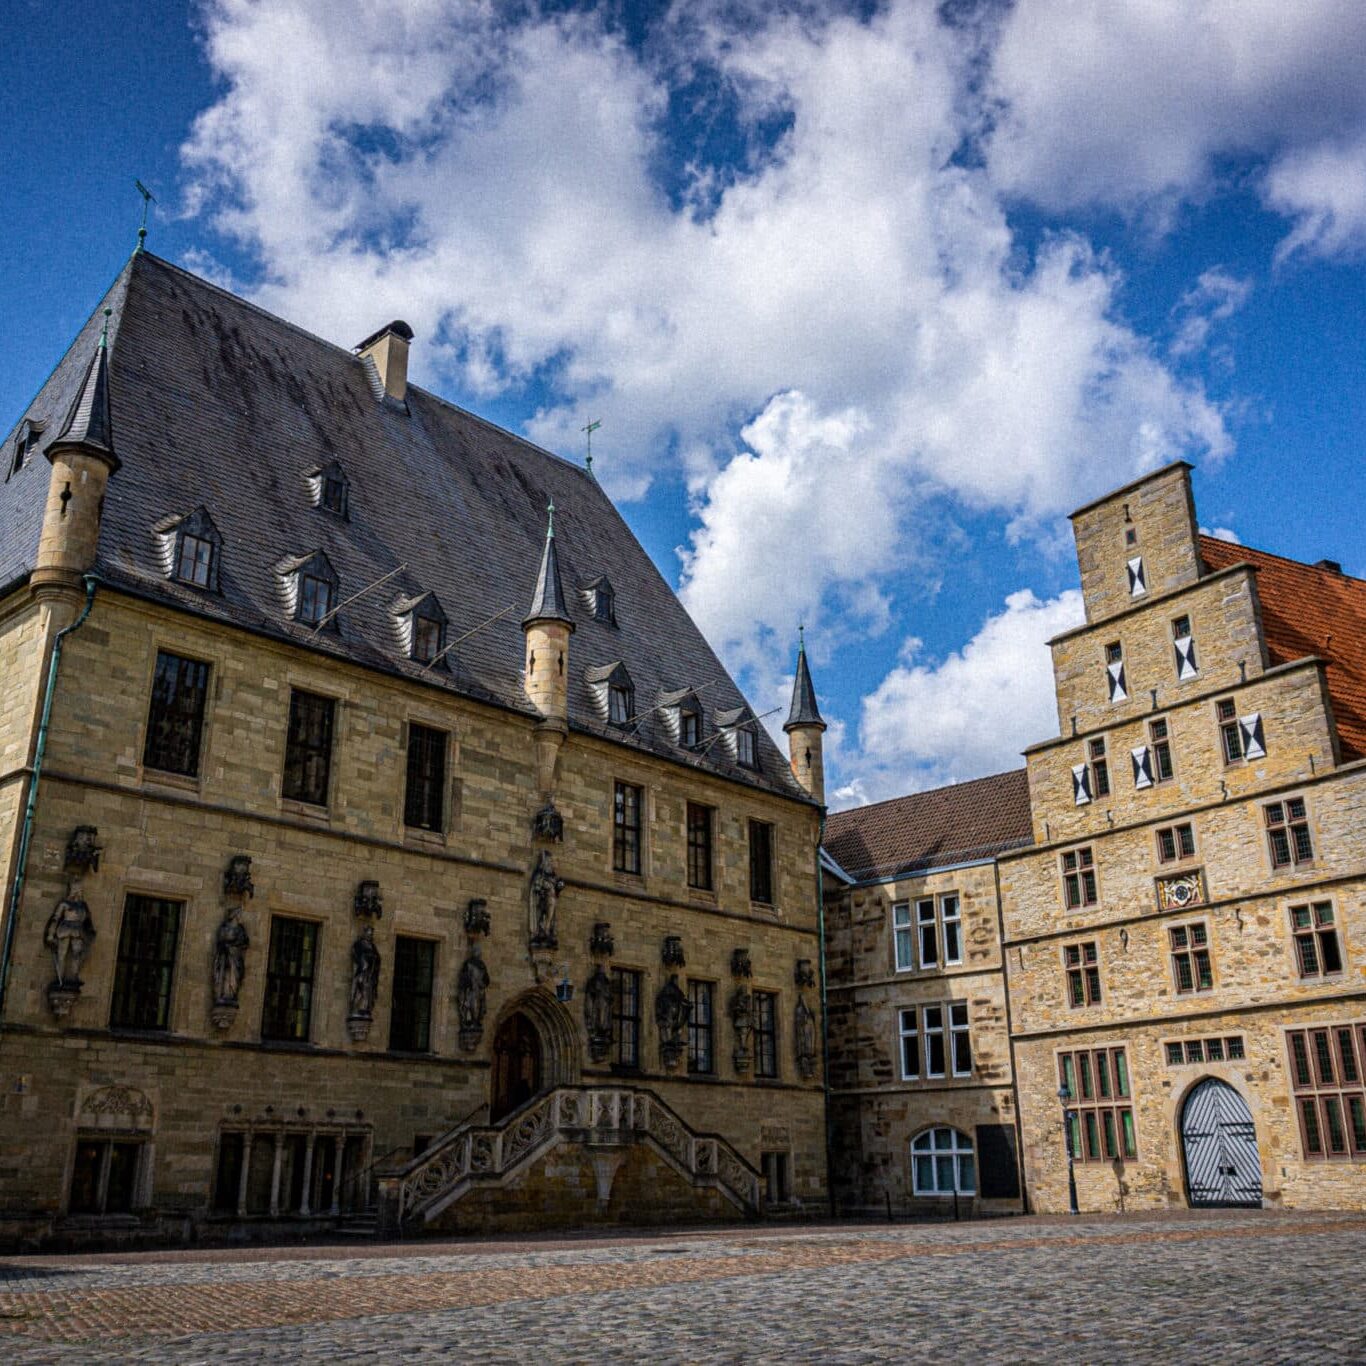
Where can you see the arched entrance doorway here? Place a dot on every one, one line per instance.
(517, 1065)
(1219, 1143)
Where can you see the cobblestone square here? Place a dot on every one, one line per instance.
(1232, 1287)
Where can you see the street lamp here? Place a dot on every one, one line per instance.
(1064, 1095)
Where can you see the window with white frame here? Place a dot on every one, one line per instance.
(930, 936)
(960, 1040)
(943, 1163)
(909, 1032)
(903, 936)
(932, 1028)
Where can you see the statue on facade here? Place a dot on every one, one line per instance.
(364, 983)
(804, 1038)
(742, 1023)
(597, 1013)
(471, 996)
(229, 957)
(544, 901)
(672, 1013)
(69, 934)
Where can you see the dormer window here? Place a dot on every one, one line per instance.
(330, 488)
(309, 584)
(739, 728)
(191, 549)
(614, 693)
(746, 748)
(602, 600)
(689, 727)
(25, 443)
(421, 627)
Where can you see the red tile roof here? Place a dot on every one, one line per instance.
(1308, 610)
(948, 825)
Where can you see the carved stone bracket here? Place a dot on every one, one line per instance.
(805, 974)
(600, 942)
(477, 920)
(61, 998)
(672, 953)
(83, 850)
(223, 1014)
(237, 877)
(368, 900)
(548, 824)
(740, 965)
(358, 1027)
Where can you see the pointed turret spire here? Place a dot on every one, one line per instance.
(804, 711)
(89, 426)
(548, 604)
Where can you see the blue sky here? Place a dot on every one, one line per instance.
(866, 298)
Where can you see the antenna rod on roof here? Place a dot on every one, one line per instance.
(148, 198)
(660, 707)
(356, 597)
(590, 429)
(437, 658)
(743, 725)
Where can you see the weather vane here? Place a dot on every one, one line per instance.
(148, 198)
(590, 429)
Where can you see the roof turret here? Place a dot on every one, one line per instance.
(89, 426)
(547, 603)
(804, 711)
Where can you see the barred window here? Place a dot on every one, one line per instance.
(1176, 842)
(308, 748)
(766, 1033)
(1287, 833)
(1191, 968)
(626, 828)
(1082, 963)
(761, 862)
(700, 1027)
(146, 964)
(1318, 951)
(625, 1017)
(699, 847)
(410, 1016)
(1230, 1048)
(424, 799)
(290, 965)
(1079, 878)
(175, 718)
(1327, 1067)
(1100, 1117)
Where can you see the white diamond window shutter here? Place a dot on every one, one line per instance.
(1115, 674)
(1254, 738)
(1142, 759)
(1081, 784)
(1186, 666)
(1138, 582)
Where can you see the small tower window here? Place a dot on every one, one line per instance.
(25, 443)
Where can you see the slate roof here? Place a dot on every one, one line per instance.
(947, 825)
(804, 711)
(218, 403)
(1310, 610)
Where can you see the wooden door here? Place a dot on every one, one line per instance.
(516, 1066)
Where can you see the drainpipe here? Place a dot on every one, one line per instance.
(825, 1018)
(31, 803)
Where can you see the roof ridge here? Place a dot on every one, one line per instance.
(1284, 559)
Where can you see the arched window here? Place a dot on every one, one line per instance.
(942, 1163)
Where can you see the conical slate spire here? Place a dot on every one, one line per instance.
(548, 604)
(88, 425)
(804, 711)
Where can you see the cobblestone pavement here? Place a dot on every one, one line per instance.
(1229, 1287)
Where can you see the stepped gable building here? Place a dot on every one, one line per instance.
(1185, 937)
(378, 835)
(922, 1100)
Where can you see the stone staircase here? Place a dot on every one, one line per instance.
(603, 1119)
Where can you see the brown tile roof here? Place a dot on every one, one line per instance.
(1307, 610)
(948, 825)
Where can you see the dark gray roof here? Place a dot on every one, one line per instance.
(804, 711)
(547, 602)
(90, 425)
(221, 405)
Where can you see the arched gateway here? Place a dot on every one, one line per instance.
(1219, 1143)
(535, 1048)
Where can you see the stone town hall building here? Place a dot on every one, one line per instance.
(382, 846)
(375, 825)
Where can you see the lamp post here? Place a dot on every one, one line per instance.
(1064, 1095)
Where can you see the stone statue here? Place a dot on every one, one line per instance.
(471, 995)
(229, 957)
(364, 974)
(597, 1013)
(69, 934)
(804, 1031)
(672, 1013)
(545, 895)
(742, 1022)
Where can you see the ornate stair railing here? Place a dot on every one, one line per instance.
(599, 1117)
